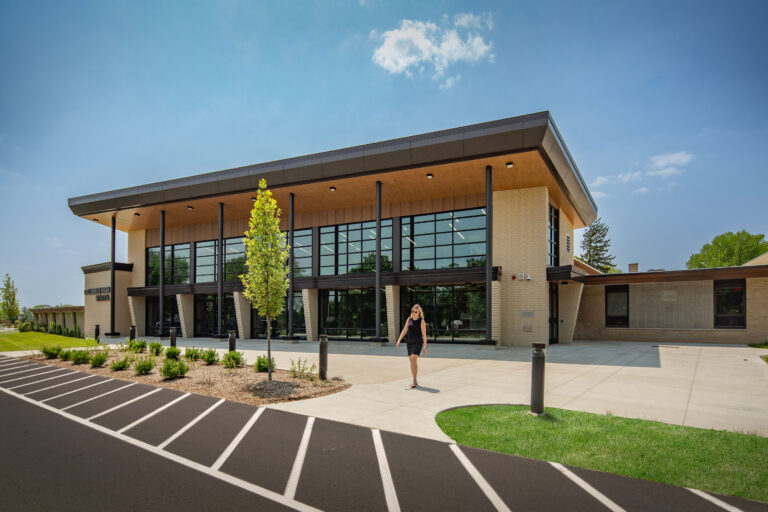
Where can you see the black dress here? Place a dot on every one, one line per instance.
(413, 338)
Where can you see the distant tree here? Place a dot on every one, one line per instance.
(729, 250)
(266, 280)
(8, 303)
(595, 246)
(26, 314)
(369, 264)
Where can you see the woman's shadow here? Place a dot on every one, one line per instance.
(424, 388)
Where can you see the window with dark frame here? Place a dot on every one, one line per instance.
(351, 248)
(553, 232)
(617, 305)
(730, 304)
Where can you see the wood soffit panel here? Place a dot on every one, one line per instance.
(453, 179)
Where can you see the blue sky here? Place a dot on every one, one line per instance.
(662, 104)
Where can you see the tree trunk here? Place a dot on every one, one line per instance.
(269, 348)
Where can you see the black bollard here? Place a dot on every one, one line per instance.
(232, 343)
(323, 370)
(173, 336)
(537, 378)
(132, 333)
(96, 333)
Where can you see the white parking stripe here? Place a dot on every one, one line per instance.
(293, 480)
(189, 425)
(99, 396)
(248, 486)
(591, 490)
(712, 499)
(125, 403)
(128, 427)
(386, 476)
(74, 391)
(239, 437)
(43, 380)
(33, 375)
(12, 367)
(57, 385)
(36, 368)
(494, 498)
(6, 365)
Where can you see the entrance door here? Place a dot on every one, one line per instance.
(553, 319)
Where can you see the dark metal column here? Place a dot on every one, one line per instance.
(162, 270)
(290, 267)
(378, 260)
(112, 283)
(220, 269)
(488, 251)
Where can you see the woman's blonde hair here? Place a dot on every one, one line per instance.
(421, 311)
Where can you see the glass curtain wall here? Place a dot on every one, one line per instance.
(444, 240)
(170, 312)
(234, 259)
(177, 265)
(302, 253)
(454, 313)
(280, 324)
(553, 237)
(206, 315)
(205, 261)
(351, 248)
(351, 314)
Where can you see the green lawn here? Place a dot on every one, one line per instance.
(36, 341)
(710, 460)
(759, 345)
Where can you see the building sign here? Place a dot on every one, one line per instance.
(100, 293)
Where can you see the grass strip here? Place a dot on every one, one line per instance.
(711, 460)
(36, 341)
(759, 345)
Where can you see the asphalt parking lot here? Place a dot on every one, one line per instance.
(74, 441)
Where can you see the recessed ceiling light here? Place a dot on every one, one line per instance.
(190, 207)
(429, 176)
(137, 214)
(510, 165)
(253, 199)
(332, 189)
(95, 220)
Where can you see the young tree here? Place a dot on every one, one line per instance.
(266, 280)
(729, 250)
(595, 245)
(8, 303)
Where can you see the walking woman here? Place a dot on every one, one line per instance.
(415, 332)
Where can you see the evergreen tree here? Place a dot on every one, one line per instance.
(8, 304)
(729, 250)
(266, 279)
(595, 246)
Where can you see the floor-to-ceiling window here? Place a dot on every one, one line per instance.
(207, 311)
(177, 264)
(553, 237)
(280, 324)
(302, 252)
(443, 240)
(351, 248)
(351, 313)
(171, 317)
(454, 313)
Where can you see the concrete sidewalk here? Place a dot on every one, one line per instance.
(709, 386)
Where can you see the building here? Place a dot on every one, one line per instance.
(68, 317)
(474, 223)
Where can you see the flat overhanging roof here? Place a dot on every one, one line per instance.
(479, 142)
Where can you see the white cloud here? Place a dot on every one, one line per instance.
(416, 44)
(666, 172)
(450, 82)
(597, 194)
(469, 20)
(670, 159)
(630, 176)
(601, 180)
(641, 190)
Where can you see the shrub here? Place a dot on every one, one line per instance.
(64, 355)
(192, 353)
(233, 359)
(210, 356)
(137, 346)
(172, 352)
(173, 369)
(144, 365)
(120, 364)
(301, 370)
(27, 326)
(156, 348)
(261, 364)
(79, 356)
(98, 358)
(51, 352)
